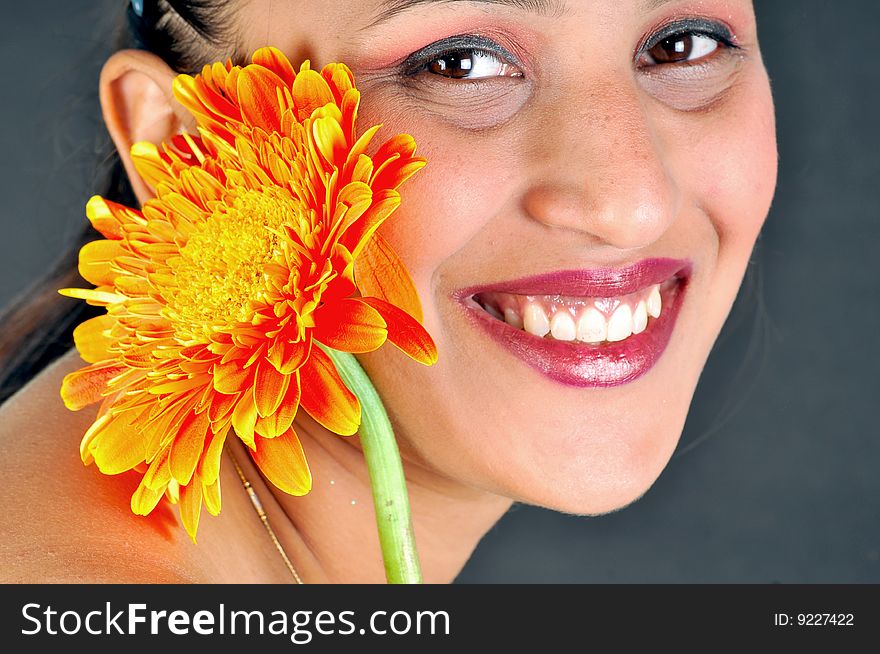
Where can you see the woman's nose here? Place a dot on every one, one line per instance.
(598, 168)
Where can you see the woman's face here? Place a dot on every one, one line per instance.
(629, 144)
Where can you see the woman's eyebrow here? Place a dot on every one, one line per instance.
(390, 8)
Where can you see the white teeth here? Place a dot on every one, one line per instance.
(591, 326)
(620, 325)
(582, 319)
(640, 318)
(512, 318)
(535, 320)
(562, 326)
(654, 302)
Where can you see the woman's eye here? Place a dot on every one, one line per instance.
(467, 80)
(680, 48)
(689, 63)
(685, 41)
(471, 64)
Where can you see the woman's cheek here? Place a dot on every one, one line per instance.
(736, 164)
(731, 171)
(463, 187)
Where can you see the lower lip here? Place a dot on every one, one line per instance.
(581, 364)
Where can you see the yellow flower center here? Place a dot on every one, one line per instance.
(219, 276)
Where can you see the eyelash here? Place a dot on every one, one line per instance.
(470, 45)
(686, 27)
(462, 44)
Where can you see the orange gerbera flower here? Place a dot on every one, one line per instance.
(261, 240)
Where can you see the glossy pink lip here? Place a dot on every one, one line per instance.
(581, 364)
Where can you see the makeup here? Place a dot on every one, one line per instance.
(616, 308)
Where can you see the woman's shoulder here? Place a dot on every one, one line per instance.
(63, 521)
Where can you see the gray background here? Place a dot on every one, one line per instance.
(776, 476)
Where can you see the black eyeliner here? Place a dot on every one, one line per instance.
(698, 26)
(417, 61)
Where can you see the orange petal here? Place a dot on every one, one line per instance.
(330, 140)
(213, 101)
(258, 97)
(288, 357)
(185, 92)
(209, 467)
(164, 423)
(362, 169)
(326, 398)
(280, 420)
(358, 232)
(274, 60)
(231, 377)
(211, 495)
(405, 332)
(221, 406)
(86, 443)
(244, 417)
(181, 385)
(187, 447)
(230, 86)
(86, 386)
(270, 386)
(395, 162)
(132, 286)
(190, 507)
(150, 164)
(310, 91)
(358, 197)
(92, 338)
(95, 261)
(109, 217)
(396, 173)
(95, 296)
(357, 159)
(380, 273)
(283, 462)
(342, 286)
(118, 446)
(349, 107)
(349, 325)
(144, 499)
(399, 146)
(159, 473)
(102, 218)
(340, 79)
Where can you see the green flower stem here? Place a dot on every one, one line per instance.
(390, 499)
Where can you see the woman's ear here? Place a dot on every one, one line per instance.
(138, 105)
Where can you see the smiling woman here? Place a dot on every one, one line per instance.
(597, 175)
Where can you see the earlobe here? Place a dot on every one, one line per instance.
(138, 105)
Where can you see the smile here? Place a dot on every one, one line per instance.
(569, 318)
(586, 328)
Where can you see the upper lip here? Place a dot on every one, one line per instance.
(593, 283)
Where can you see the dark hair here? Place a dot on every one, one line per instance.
(38, 324)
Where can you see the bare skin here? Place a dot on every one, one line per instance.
(578, 155)
(74, 524)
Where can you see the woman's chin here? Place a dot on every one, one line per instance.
(591, 497)
(598, 479)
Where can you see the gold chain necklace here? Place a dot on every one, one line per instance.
(261, 512)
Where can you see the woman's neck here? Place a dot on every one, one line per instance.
(330, 533)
